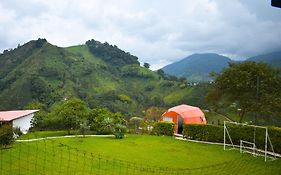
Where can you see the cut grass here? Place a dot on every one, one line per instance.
(43, 134)
(73, 154)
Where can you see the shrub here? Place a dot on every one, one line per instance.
(164, 128)
(119, 131)
(214, 133)
(6, 135)
(84, 128)
(17, 131)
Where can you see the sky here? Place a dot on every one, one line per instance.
(156, 31)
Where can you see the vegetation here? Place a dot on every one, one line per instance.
(71, 113)
(164, 128)
(111, 54)
(251, 87)
(128, 156)
(102, 121)
(213, 133)
(197, 67)
(146, 65)
(99, 74)
(103, 76)
(136, 123)
(6, 135)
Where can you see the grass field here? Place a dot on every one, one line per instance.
(136, 154)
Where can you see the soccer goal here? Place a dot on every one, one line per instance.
(251, 139)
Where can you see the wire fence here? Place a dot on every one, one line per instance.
(49, 157)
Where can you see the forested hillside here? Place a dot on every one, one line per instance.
(98, 73)
(273, 59)
(197, 67)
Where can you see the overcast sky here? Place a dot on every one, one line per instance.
(157, 31)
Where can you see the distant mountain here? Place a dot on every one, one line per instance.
(197, 67)
(274, 59)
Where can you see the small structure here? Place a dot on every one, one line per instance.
(19, 118)
(184, 114)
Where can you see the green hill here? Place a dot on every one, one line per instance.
(197, 67)
(98, 73)
(273, 59)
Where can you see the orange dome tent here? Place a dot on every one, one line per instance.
(184, 114)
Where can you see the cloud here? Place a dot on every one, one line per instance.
(158, 32)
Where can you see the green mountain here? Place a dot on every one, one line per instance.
(98, 73)
(274, 59)
(197, 67)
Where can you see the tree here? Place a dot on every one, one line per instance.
(154, 113)
(253, 87)
(161, 73)
(102, 121)
(6, 135)
(71, 112)
(146, 65)
(40, 42)
(37, 120)
(84, 127)
(136, 121)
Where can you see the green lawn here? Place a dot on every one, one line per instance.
(136, 154)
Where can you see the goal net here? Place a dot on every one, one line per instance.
(251, 139)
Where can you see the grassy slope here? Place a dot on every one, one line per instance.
(101, 80)
(139, 150)
(85, 52)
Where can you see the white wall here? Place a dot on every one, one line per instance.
(23, 123)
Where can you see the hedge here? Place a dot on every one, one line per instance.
(164, 128)
(214, 133)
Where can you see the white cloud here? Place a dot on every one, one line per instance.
(158, 32)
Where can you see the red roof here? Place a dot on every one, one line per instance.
(187, 111)
(12, 115)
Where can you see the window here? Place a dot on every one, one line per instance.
(169, 119)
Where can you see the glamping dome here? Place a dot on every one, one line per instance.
(184, 114)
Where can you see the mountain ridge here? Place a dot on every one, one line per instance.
(272, 58)
(197, 67)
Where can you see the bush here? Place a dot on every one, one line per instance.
(214, 133)
(17, 131)
(119, 131)
(211, 133)
(6, 135)
(164, 128)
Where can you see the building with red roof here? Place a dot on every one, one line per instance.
(184, 114)
(20, 118)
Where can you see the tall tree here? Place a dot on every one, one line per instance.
(154, 113)
(136, 121)
(146, 65)
(253, 87)
(37, 120)
(71, 112)
(103, 121)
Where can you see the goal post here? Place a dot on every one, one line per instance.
(247, 137)
(246, 144)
